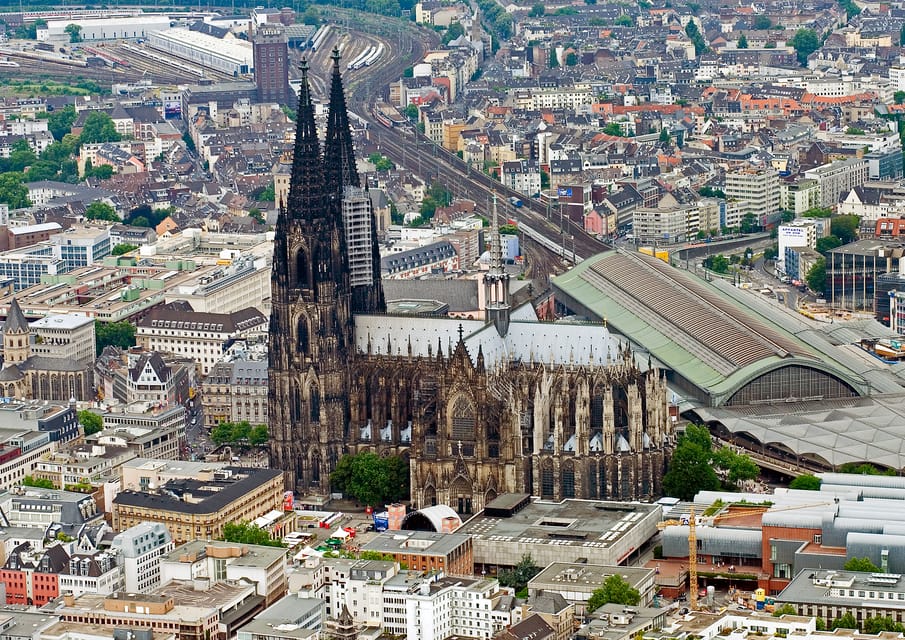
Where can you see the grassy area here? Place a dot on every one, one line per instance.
(43, 86)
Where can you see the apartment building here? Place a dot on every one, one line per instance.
(796, 234)
(836, 179)
(148, 430)
(757, 191)
(235, 391)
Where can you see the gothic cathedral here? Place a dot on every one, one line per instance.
(478, 408)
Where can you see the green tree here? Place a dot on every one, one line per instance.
(664, 135)
(690, 471)
(12, 190)
(816, 277)
(21, 156)
(692, 31)
(101, 172)
(247, 533)
(762, 22)
(412, 112)
(739, 467)
(820, 624)
(101, 211)
(371, 479)
(861, 564)
(827, 243)
(41, 483)
(718, 263)
(770, 253)
(258, 435)
(613, 129)
(806, 482)
(90, 421)
(845, 228)
(624, 20)
(805, 42)
(74, 31)
(818, 212)
(518, 577)
(742, 42)
(120, 334)
(846, 621)
(615, 589)
(785, 609)
(749, 223)
(537, 10)
(140, 221)
(710, 192)
(854, 131)
(256, 215)
(571, 59)
(268, 194)
(99, 127)
(124, 248)
(875, 624)
(454, 31)
(554, 60)
(899, 96)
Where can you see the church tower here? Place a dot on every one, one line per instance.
(354, 212)
(16, 336)
(496, 281)
(310, 322)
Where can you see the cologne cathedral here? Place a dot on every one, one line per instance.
(478, 407)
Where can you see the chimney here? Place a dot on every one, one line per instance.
(68, 599)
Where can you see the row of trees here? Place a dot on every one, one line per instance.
(239, 433)
(696, 466)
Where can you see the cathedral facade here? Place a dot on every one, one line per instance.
(478, 409)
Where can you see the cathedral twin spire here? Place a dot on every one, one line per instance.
(318, 184)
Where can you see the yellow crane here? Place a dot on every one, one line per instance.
(692, 557)
(693, 540)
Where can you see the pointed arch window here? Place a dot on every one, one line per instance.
(463, 419)
(302, 337)
(314, 403)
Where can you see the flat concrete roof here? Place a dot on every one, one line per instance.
(59, 321)
(577, 523)
(575, 576)
(426, 543)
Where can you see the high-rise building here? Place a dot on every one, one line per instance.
(271, 60)
(480, 408)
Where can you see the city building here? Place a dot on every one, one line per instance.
(54, 511)
(235, 391)
(148, 377)
(197, 509)
(757, 191)
(216, 561)
(81, 246)
(290, 618)
(203, 337)
(837, 178)
(451, 553)
(26, 266)
(446, 607)
(852, 269)
(830, 594)
(140, 550)
(96, 572)
(150, 431)
(577, 581)
(42, 369)
(601, 533)
(271, 64)
(64, 336)
(82, 466)
(32, 576)
(231, 56)
(798, 233)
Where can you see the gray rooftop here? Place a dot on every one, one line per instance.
(846, 589)
(570, 522)
(255, 556)
(586, 577)
(426, 543)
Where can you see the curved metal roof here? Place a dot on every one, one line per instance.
(837, 431)
(711, 337)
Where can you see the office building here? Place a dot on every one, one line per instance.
(837, 178)
(577, 581)
(427, 550)
(81, 246)
(140, 549)
(271, 61)
(798, 233)
(194, 509)
(757, 190)
(64, 336)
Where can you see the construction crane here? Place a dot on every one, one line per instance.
(692, 557)
(693, 540)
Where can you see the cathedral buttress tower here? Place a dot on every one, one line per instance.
(310, 322)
